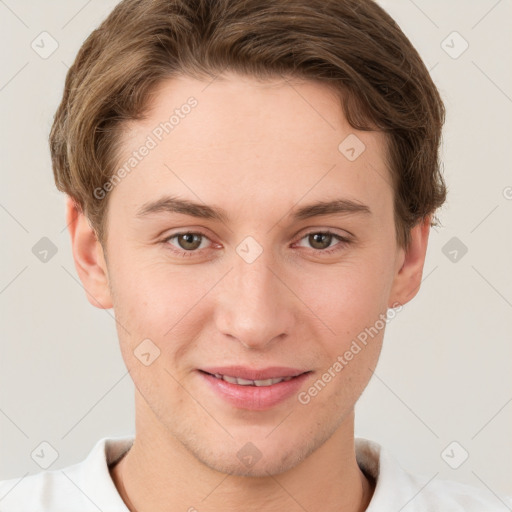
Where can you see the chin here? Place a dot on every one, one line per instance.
(258, 458)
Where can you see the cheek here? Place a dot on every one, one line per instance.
(349, 296)
(141, 291)
(351, 300)
(157, 301)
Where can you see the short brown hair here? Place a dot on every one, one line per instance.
(352, 45)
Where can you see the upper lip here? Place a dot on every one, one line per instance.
(244, 372)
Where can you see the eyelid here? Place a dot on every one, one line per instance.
(330, 231)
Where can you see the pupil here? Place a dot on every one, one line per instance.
(317, 240)
(188, 241)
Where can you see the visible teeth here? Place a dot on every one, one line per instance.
(266, 382)
(227, 378)
(247, 382)
(243, 382)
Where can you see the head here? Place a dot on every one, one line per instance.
(256, 111)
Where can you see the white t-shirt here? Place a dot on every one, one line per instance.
(88, 487)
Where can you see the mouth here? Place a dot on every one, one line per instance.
(247, 376)
(258, 390)
(249, 382)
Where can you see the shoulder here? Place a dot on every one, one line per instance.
(397, 489)
(46, 491)
(448, 495)
(82, 487)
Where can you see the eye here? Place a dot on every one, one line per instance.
(321, 241)
(186, 243)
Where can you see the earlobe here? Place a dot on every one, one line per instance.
(407, 280)
(88, 256)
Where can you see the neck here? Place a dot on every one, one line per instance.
(159, 473)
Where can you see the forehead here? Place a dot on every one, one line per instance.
(241, 142)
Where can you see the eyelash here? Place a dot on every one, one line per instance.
(337, 247)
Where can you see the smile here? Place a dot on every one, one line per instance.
(247, 382)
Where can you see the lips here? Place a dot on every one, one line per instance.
(248, 382)
(257, 390)
(244, 374)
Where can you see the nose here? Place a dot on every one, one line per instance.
(254, 304)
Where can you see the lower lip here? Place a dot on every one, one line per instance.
(255, 398)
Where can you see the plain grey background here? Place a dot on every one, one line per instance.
(442, 390)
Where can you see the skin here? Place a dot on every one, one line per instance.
(259, 150)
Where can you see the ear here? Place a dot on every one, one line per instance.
(409, 268)
(89, 258)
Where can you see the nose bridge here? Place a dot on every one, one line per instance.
(255, 306)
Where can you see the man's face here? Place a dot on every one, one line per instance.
(260, 288)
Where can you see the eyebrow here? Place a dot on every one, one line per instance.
(171, 204)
